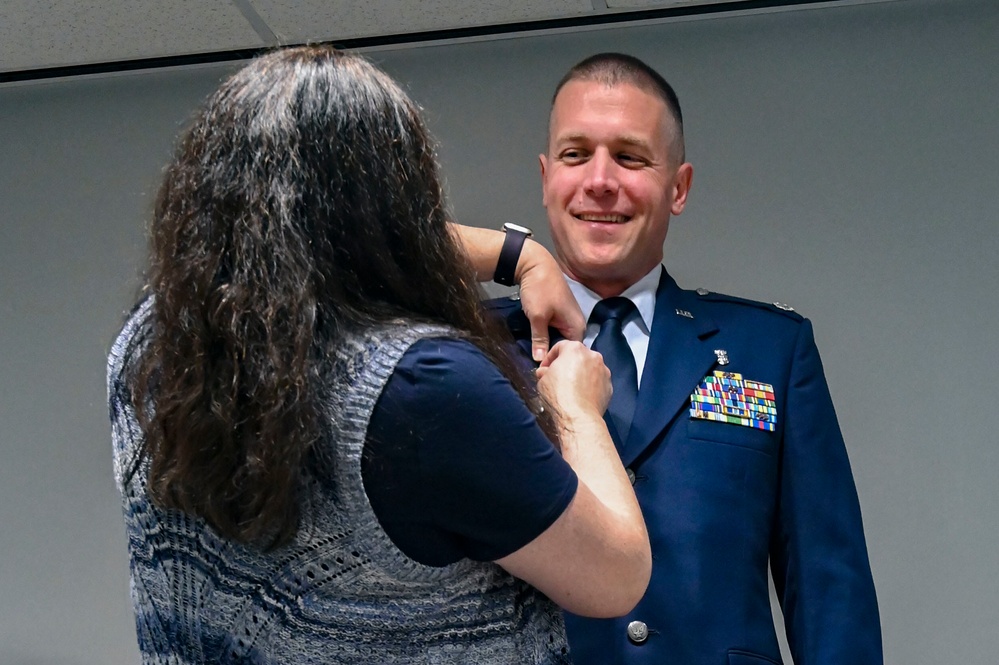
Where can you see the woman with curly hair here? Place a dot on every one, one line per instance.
(324, 450)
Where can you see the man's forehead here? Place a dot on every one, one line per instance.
(620, 138)
(581, 90)
(583, 100)
(585, 86)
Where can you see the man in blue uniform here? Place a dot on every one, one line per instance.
(731, 440)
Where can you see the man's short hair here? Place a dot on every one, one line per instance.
(616, 68)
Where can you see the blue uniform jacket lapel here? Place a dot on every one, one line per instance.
(680, 355)
(509, 312)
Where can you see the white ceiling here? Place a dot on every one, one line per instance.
(38, 35)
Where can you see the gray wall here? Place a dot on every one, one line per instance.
(845, 162)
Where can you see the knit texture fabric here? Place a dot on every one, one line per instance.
(341, 592)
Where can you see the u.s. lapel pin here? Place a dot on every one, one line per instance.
(722, 356)
(684, 313)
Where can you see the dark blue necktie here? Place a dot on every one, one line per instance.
(611, 314)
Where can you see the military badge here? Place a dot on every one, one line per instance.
(726, 397)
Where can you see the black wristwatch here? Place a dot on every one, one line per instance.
(506, 267)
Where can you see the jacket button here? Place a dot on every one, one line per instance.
(631, 475)
(638, 632)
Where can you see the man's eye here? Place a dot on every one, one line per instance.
(572, 155)
(630, 160)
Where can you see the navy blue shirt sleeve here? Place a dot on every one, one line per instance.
(455, 464)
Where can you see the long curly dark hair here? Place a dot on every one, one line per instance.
(303, 202)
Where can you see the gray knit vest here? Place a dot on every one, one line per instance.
(341, 592)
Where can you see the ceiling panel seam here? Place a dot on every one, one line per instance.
(257, 22)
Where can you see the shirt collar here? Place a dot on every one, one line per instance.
(642, 293)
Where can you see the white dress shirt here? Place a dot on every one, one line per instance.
(643, 294)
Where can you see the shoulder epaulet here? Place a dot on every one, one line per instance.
(508, 310)
(776, 307)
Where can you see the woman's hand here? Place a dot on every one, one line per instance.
(575, 380)
(546, 298)
(544, 295)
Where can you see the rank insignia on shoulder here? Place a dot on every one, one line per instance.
(786, 308)
(726, 397)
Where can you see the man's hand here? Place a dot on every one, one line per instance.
(545, 297)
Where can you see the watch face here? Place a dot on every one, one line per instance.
(516, 227)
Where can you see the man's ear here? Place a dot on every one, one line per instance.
(543, 161)
(681, 187)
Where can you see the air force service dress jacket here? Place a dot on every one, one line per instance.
(722, 499)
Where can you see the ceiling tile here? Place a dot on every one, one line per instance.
(297, 21)
(39, 33)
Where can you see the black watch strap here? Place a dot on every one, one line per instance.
(513, 243)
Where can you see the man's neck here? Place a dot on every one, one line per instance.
(642, 293)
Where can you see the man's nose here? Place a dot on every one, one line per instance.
(601, 178)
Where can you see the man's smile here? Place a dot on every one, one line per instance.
(606, 218)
